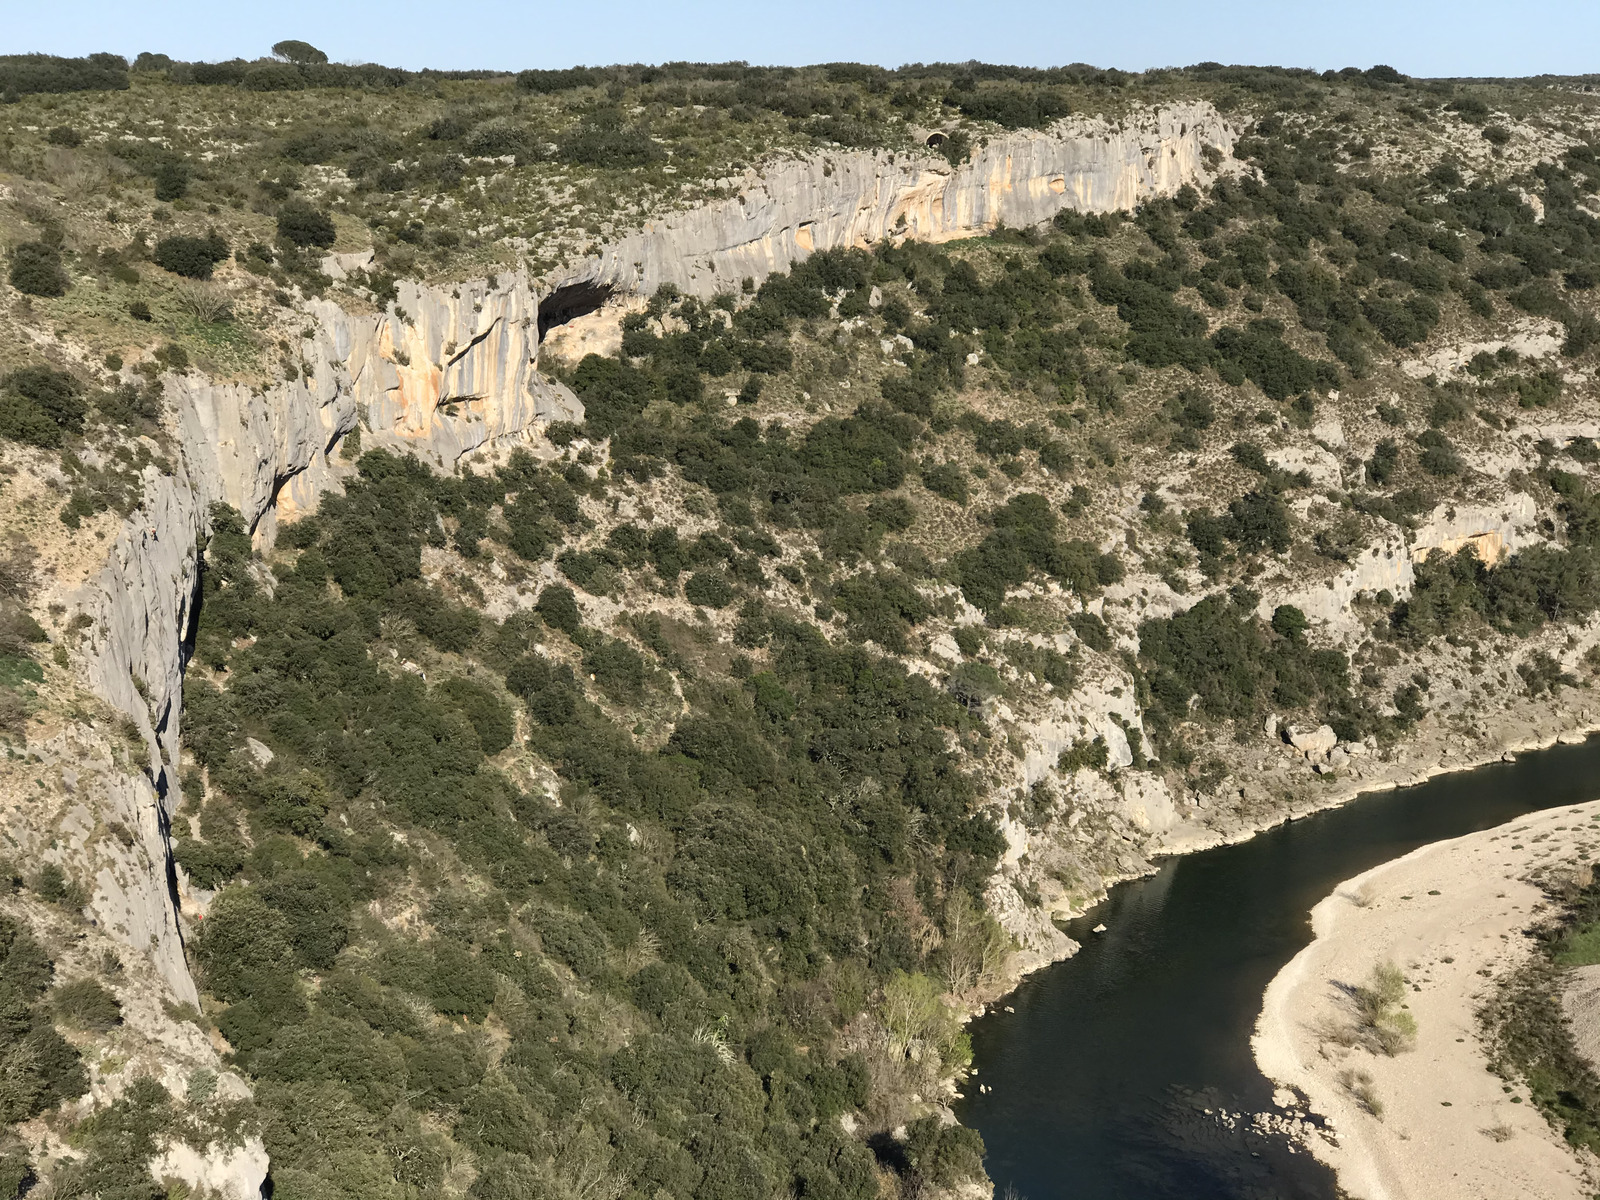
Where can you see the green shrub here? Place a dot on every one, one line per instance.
(559, 608)
(40, 406)
(36, 270)
(709, 589)
(38, 1068)
(85, 1004)
(191, 257)
(244, 946)
(302, 225)
(490, 718)
(172, 181)
(31, 74)
(948, 480)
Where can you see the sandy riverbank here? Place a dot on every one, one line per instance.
(1451, 915)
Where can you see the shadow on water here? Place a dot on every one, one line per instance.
(1101, 1078)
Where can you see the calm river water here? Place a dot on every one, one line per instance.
(1100, 1078)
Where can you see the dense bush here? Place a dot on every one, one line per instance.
(561, 884)
(192, 257)
(39, 1069)
(25, 74)
(302, 225)
(1232, 666)
(1023, 540)
(36, 270)
(40, 406)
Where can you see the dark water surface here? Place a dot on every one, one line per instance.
(1100, 1078)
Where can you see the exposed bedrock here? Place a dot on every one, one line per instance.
(448, 371)
(857, 198)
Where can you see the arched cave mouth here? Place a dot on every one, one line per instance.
(569, 302)
(935, 140)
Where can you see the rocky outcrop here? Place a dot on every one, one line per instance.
(1492, 530)
(443, 374)
(227, 1172)
(855, 198)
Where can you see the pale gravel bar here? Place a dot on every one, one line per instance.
(1466, 900)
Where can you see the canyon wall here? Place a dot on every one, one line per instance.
(861, 198)
(446, 372)
(451, 370)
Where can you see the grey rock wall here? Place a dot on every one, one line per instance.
(857, 198)
(446, 372)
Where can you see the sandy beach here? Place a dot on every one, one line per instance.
(1451, 915)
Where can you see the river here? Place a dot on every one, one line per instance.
(1099, 1081)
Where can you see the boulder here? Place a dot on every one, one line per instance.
(1313, 743)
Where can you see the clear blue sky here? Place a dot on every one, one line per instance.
(1420, 37)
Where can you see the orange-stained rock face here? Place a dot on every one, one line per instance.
(1490, 547)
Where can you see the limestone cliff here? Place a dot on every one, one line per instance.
(444, 373)
(856, 198)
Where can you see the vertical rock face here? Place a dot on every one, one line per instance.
(445, 373)
(857, 198)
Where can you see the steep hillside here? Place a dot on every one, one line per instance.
(558, 647)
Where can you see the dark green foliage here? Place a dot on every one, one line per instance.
(1539, 584)
(172, 180)
(709, 588)
(16, 1175)
(946, 479)
(490, 718)
(85, 1004)
(1164, 332)
(1439, 456)
(119, 1141)
(29, 74)
(1530, 1037)
(942, 1155)
(1006, 104)
(1404, 322)
(38, 1068)
(1023, 540)
(1093, 755)
(302, 225)
(40, 406)
(298, 52)
(1255, 522)
(1091, 629)
(882, 607)
(1237, 667)
(559, 608)
(36, 270)
(616, 668)
(1259, 353)
(604, 139)
(1384, 461)
(190, 256)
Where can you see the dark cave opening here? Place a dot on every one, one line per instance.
(569, 302)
